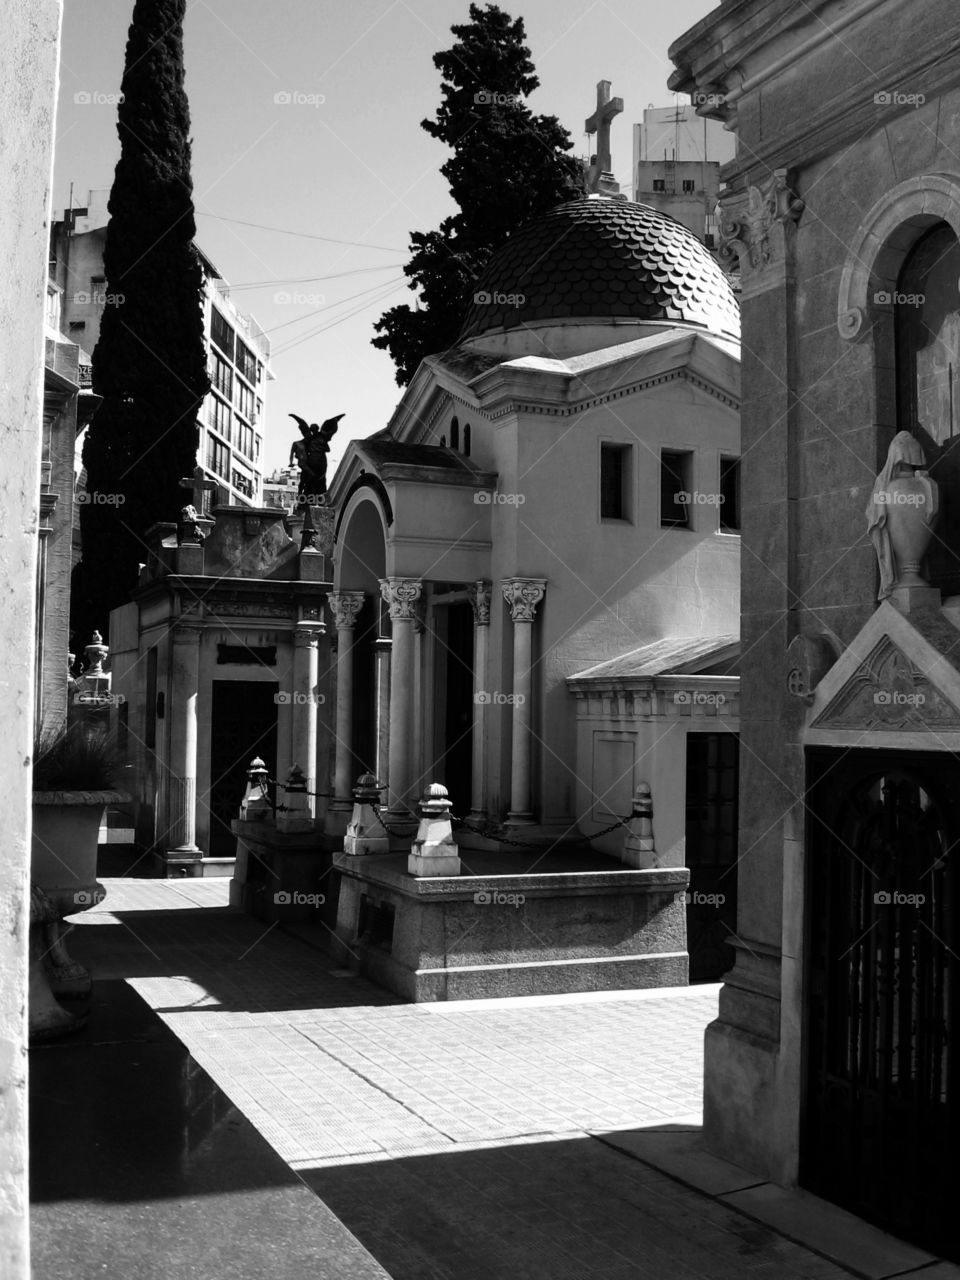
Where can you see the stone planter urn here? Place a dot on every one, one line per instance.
(901, 513)
(63, 874)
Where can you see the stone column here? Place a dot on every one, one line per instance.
(344, 605)
(401, 595)
(184, 685)
(480, 593)
(381, 659)
(522, 595)
(306, 673)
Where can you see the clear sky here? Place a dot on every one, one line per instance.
(344, 158)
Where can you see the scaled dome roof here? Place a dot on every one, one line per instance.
(602, 257)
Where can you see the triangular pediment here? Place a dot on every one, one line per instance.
(899, 675)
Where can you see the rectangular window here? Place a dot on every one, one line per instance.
(218, 458)
(221, 334)
(659, 184)
(688, 186)
(246, 362)
(243, 398)
(220, 416)
(730, 495)
(615, 481)
(221, 375)
(244, 438)
(242, 483)
(676, 499)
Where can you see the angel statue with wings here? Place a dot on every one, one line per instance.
(310, 454)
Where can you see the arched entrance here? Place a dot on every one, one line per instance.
(364, 644)
(882, 1076)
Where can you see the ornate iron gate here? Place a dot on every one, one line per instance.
(883, 965)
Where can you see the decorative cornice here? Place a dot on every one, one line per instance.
(593, 402)
(522, 596)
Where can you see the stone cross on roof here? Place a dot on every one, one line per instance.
(599, 123)
(198, 484)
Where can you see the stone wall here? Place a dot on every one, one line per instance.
(846, 118)
(27, 104)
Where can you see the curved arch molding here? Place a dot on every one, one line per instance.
(883, 240)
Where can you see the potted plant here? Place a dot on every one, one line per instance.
(75, 771)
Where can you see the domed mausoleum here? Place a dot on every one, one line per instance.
(536, 595)
(599, 258)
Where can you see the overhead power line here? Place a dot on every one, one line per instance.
(305, 235)
(354, 271)
(384, 292)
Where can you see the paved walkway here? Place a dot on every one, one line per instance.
(475, 1140)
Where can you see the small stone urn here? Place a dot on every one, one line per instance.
(900, 516)
(910, 500)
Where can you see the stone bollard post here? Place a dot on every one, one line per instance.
(638, 847)
(434, 851)
(295, 815)
(256, 805)
(365, 832)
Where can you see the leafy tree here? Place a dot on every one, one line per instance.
(149, 364)
(508, 166)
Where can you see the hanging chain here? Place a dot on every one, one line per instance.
(487, 832)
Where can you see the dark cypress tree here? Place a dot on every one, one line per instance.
(508, 166)
(149, 364)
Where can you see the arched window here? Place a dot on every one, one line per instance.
(926, 335)
(466, 439)
(454, 433)
(926, 309)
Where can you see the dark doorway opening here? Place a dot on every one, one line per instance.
(880, 1120)
(370, 620)
(713, 769)
(455, 704)
(243, 725)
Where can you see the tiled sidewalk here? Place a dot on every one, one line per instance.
(453, 1140)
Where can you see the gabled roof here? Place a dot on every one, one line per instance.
(675, 655)
(897, 684)
(382, 448)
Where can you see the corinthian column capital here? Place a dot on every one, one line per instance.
(401, 596)
(480, 593)
(345, 605)
(522, 595)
